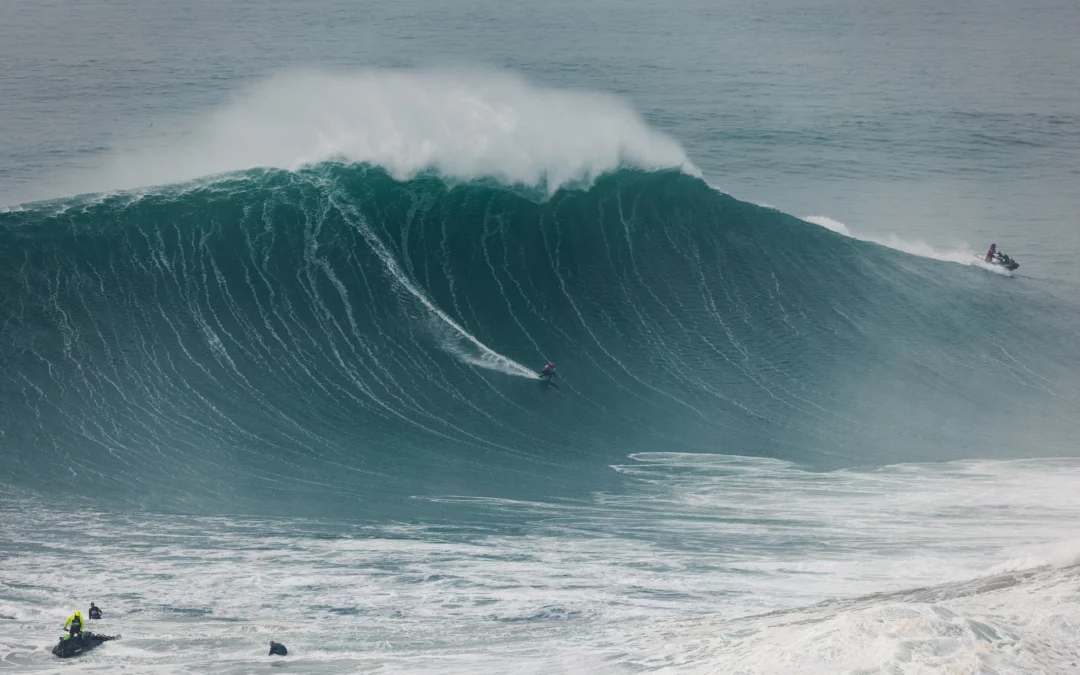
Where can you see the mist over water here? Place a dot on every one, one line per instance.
(272, 311)
(463, 124)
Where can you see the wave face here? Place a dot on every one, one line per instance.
(335, 338)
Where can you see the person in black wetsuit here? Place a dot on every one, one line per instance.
(95, 612)
(548, 373)
(277, 649)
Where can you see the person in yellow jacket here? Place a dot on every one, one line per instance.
(73, 625)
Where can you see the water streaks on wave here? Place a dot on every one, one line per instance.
(334, 336)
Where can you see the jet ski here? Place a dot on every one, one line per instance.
(1001, 260)
(84, 642)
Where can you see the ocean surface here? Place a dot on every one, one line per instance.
(277, 279)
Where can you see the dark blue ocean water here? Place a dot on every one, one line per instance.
(276, 280)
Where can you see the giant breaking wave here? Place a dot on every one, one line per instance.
(334, 335)
(350, 333)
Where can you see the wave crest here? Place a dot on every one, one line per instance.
(461, 124)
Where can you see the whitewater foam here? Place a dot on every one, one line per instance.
(1009, 624)
(463, 124)
(675, 574)
(1057, 554)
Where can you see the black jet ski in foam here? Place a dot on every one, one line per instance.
(83, 642)
(1000, 259)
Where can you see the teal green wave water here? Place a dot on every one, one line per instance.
(334, 340)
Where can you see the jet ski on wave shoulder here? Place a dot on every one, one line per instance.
(999, 259)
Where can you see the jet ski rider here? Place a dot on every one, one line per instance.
(991, 253)
(73, 625)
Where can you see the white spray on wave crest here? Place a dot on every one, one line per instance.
(462, 124)
(962, 256)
